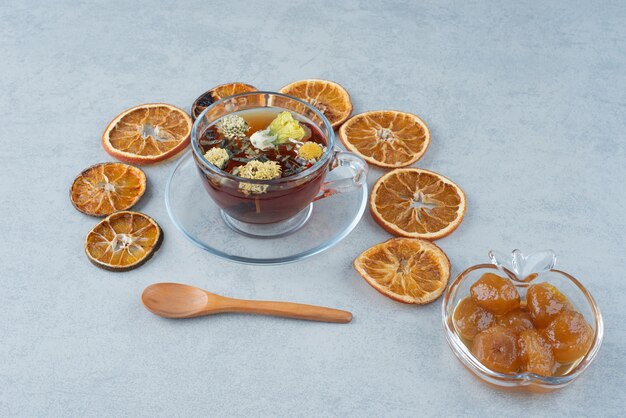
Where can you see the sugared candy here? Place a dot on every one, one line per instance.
(497, 349)
(570, 336)
(535, 353)
(470, 319)
(496, 294)
(517, 320)
(544, 303)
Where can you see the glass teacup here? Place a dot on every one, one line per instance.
(280, 206)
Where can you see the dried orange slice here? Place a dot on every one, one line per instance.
(417, 203)
(386, 138)
(123, 241)
(217, 93)
(408, 270)
(328, 97)
(105, 188)
(148, 133)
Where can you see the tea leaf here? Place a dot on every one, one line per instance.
(242, 160)
(206, 142)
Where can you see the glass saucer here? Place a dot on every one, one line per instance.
(196, 215)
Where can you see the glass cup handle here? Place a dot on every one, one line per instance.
(358, 177)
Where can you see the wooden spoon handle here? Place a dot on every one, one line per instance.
(286, 309)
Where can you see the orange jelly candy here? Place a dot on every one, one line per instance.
(517, 321)
(570, 336)
(497, 349)
(545, 302)
(496, 294)
(470, 319)
(535, 353)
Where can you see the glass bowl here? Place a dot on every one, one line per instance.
(523, 271)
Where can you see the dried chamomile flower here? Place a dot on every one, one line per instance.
(249, 188)
(233, 126)
(310, 151)
(217, 156)
(258, 170)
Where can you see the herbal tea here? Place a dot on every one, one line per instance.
(263, 144)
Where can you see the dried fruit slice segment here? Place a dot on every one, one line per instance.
(386, 138)
(216, 93)
(123, 241)
(326, 96)
(106, 188)
(147, 133)
(417, 203)
(404, 269)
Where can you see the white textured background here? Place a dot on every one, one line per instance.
(526, 104)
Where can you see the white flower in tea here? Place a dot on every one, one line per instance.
(263, 140)
(257, 170)
(282, 129)
(218, 157)
(285, 127)
(233, 126)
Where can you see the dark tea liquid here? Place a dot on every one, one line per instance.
(281, 201)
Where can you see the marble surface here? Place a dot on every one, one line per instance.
(525, 101)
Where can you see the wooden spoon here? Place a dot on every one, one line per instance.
(175, 300)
